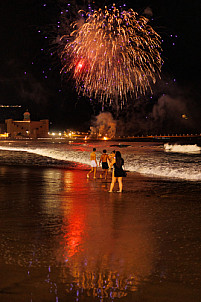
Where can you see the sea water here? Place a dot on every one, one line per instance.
(173, 161)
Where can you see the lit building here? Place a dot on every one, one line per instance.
(27, 128)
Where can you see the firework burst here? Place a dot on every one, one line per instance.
(112, 54)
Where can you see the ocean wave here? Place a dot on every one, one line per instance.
(193, 149)
(189, 174)
(149, 164)
(57, 154)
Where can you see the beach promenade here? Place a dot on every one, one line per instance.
(65, 238)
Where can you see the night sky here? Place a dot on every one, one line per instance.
(30, 67)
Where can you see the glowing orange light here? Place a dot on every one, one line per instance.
(79, 66)
(74, 219)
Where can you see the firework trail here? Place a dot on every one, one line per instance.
(112, 54)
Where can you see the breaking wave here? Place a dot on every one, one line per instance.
(152, 162)
(194, 149)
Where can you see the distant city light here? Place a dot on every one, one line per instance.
(10, 106)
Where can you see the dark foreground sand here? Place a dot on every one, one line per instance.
(65, 238)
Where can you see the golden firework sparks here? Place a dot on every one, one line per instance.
(112, 54)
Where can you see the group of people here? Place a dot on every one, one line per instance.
(112, 162)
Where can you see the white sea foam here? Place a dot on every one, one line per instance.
(77, 156)
(150, 163)
(171, 172)
(182, 148)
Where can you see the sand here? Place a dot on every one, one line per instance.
(65, 238)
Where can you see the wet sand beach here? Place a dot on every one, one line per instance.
(65, 238)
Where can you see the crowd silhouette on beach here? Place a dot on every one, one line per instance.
(113, 163)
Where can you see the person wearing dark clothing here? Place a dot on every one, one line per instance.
(118, 172)
(104, 159)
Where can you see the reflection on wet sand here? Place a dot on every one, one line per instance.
(63, 238)
(107, 247)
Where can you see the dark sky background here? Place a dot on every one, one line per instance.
(30, 68)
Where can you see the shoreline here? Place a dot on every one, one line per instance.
(76, 166)
(136, 156)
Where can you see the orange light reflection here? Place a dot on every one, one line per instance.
(74, 214)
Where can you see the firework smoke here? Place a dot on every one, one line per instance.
(104, 125)
(112, 54)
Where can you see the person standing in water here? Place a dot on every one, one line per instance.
(104, 159)
(93, 163)
(117, 172)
